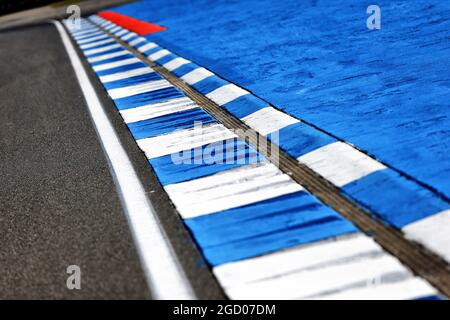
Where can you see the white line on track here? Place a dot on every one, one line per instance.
(165, 276)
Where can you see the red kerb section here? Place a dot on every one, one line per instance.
(138, 26)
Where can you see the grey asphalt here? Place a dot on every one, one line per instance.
(58, 202)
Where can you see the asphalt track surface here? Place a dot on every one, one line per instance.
(59, 204)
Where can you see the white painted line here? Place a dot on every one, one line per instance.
(102, 49)
(96, 44)
(138, 89)
(147, 46)
(349, 266)
(268, 120)
(409, 289)
(157, 109)
(87, 40)
(196, 75)
(159, 54)
(226, 93)
(433, 232)
(108, 56)
(340, 163)
(116, 28)
(136, 41)
(287, 261)
(186, 139)
(128, 36)
(115, 64)
(110, 26)
(230, 189)
(175, 63)
(89, 35)
(105, 23)
(164, 274)
(121, 32)
(84, 31)
(126, 74)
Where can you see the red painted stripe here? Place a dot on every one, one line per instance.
(140, 27)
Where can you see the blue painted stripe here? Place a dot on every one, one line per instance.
(170, 122)
(132, 80)
(396, 200)
(204, 161)
(209, 84)
(166, 59)
(151, 51)
(126, 56)
(298, 139)
(147, 98)
(431, 298)
(121, 68)
(245, 105)
(184, 69)
(266, 226)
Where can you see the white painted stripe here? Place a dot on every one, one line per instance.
(89, 35)
(226, 93)
(147, 46)
(159, 54)
(268, 120)
(108, 56)
(229, 189)
(116, 28)
(196, 75)
(299, 258)
(105, 23)
(346, 266)
(102, 49)
(136, 41)
(121, 32)
(175, 63)
(128, 36)
(157, 109)
(126, 74)
(411, 288)
(138, 89)
(433, 232)
(97, 43)
(84, 31)
(115, 64)
(110, 26)
(186, 139)
(164, 274)
(87, 40)
(340, 163)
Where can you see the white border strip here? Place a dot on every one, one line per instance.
(165, 276)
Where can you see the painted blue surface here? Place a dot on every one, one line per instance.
(209, 84)
(165, 59)
(266, 226)
(132, 81)
(151, 51)
(147, 98)
(184, 69)
(204, 161)
(383, 191)
(298, 139)
(244, 105)
(168, 123)
(385, 91)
